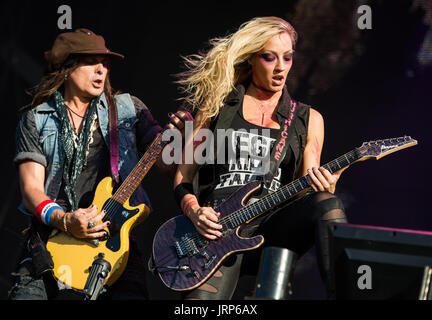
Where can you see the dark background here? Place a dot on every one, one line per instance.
(368, 85)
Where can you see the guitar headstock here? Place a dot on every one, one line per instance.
(380, 148)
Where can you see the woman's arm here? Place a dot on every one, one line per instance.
(321, 179)
(204, 218)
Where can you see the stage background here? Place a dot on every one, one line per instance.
(368, 84)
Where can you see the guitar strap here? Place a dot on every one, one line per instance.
(280, 146)
(233, 103)
(113, 138)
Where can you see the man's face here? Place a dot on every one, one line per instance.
(88, 79)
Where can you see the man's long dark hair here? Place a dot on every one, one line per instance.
(54, 80)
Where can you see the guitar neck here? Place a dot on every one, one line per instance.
(133, 180)
(284, 193)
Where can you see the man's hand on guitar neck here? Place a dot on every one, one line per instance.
(176, 121)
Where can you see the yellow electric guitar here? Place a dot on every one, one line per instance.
(73, 258)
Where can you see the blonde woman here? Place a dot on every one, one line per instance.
(239, 84)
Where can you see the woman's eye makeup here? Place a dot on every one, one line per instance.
(270, 57)
(288, 57)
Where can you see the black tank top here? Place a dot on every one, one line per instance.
(251, 144)
(218, 181)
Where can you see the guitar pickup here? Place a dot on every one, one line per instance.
(209, 262)
(179, 250)
(186, 247)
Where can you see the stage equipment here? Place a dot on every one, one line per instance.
(275, 274)
(377, 263)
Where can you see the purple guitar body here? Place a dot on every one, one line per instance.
(184, 259)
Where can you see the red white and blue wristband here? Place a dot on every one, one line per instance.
(45, 209)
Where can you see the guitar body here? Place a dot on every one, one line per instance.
(178, 235)
(73, 257)
(184, 259)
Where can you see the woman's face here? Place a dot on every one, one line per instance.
(88, 79)
(271, 65)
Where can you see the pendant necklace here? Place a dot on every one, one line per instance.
(262, 110)
(72, 120)
(260, 106)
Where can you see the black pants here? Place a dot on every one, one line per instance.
(297, 226)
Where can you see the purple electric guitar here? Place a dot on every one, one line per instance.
(184, 259)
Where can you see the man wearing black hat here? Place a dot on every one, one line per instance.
(74, 133)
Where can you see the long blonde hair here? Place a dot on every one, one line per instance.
(211, 76)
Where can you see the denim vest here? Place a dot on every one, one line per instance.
(48, 126)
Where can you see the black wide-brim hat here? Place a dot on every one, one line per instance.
(82, 41)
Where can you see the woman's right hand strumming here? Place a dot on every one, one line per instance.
(205, 220)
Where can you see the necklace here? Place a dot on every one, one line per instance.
(262, 110)
(70, 111)
(270, 101)
(82, 117)
(72, 120)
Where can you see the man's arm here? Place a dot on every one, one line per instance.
(31, 181)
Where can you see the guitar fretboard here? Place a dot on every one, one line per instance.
(284, 193)
(133, 180)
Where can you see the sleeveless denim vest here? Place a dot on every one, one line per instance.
(48, 125)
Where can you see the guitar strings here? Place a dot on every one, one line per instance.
(237, 215)
(131, 180)
(355, 154)
(127, 183)
(151, 154)
(280, 192)
(157, 140)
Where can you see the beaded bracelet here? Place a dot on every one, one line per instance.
(64, 223)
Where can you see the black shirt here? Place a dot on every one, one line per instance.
(250, 144)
